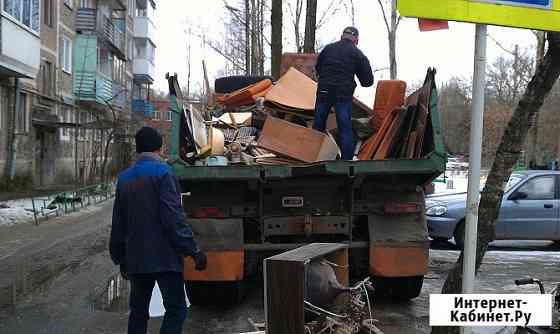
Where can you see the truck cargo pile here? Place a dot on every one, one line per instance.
(269, 123)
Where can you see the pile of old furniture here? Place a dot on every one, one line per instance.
(270, 123)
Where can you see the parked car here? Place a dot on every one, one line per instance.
(530, 210)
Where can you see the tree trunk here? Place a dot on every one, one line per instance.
(276, 38)
(261, 37)
(254, 46)
(247, 39)
(508, 153)
(297, 20)
(393, 41)
(310, 26)
(393, 55)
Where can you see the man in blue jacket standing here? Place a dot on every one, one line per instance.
(336, 67)
(150, 236)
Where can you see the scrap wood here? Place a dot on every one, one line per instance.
(389, 94)
(293, 90)
(390, 137)
(372, 145)
(423, 110)
(245, 95)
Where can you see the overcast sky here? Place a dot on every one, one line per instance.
(450, 51)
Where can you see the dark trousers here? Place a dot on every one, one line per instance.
(172, 289)
(343, 108)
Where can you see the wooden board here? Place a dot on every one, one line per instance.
(285, 282)
(389, 138)
(378, 138)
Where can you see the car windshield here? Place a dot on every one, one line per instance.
(513, 180)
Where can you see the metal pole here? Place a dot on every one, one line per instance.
(475, 147)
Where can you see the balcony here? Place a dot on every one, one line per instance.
(142, 107)
(144, 70)
(144, 28)
(91, 20)
(19, 59)
(93, 87)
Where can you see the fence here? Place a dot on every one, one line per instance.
(70, 201)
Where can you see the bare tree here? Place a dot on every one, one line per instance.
(276, 37)
(389, 8)
(296, 21)
(507, 155)
(310, 26)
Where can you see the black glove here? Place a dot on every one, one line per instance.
(199, 261)
(124, 274)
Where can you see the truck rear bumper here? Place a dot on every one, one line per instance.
(223, 266)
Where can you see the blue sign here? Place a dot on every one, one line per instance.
(527, 3)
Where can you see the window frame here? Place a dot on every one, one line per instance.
(66, 49)
(48, 13)
(532, 179)
(35, 14)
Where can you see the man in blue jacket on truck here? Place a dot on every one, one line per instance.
(336, 67)
(150, 236)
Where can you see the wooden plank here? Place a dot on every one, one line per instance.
(411, 145)
(379, 136)
(387, 143)
(285, 290)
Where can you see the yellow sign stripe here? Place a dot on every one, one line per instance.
(481, 12)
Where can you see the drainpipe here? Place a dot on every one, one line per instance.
(11, 161)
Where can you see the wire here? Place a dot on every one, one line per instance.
(325, 311)
(369, 306)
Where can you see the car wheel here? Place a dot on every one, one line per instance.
(459, 235)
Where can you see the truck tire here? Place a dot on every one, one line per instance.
(403, 288)
(230, 84)
(459, 235)
(215, 293)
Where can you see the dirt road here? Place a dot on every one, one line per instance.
(66, 269)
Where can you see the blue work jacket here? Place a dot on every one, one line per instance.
(149, 232)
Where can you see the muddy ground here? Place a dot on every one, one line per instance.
(55, 278)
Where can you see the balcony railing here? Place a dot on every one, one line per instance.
(142, 107)
(144, 70)
(92, 86)
(87, 20)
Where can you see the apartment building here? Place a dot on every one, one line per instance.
(66, 86)
(144, 57)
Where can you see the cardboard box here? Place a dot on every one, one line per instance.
(297, 142)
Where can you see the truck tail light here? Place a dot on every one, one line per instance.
(211, 212)
(400, 208)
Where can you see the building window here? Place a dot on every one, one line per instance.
(168, 116)
(48, 13)
(21, 120)
(24, 11)
(155, 117)
(66, 54)
(131, 7)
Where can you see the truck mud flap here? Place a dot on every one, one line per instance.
(398, 259)
(222, 241)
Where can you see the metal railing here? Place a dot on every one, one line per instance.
(66, 202)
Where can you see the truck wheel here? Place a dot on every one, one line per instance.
(398, 287)
(230, 84)
(215, 293)
(459, 235)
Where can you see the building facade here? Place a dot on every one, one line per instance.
(66, 87)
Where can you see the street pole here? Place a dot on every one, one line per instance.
(475, 148)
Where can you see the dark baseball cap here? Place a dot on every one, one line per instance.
(351, 31)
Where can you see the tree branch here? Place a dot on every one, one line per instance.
(384, 16)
